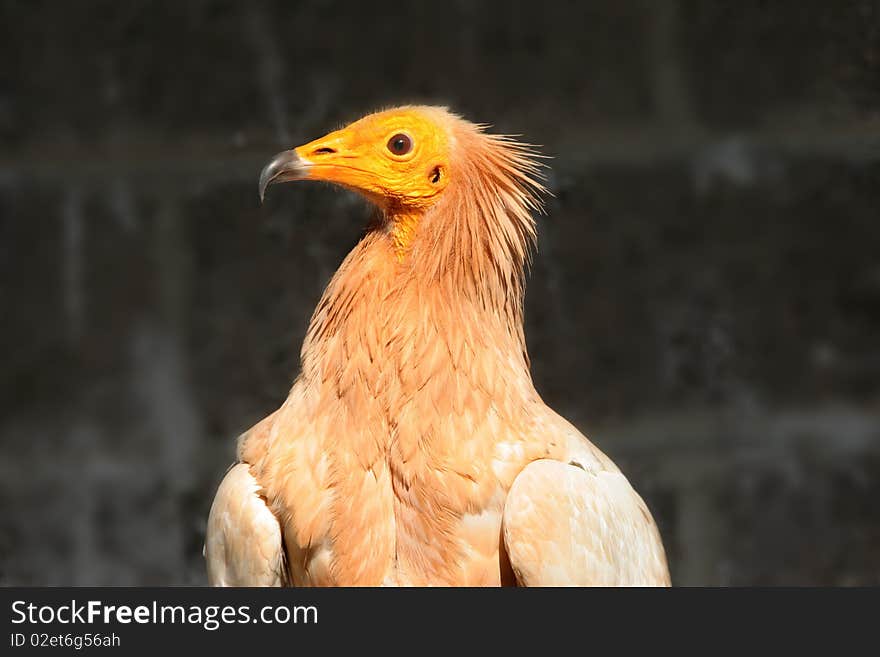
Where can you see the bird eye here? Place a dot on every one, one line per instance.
(400, 144)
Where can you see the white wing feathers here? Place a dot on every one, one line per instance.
(565, 525)
(243, 544)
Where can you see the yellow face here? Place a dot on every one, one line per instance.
(398, 158)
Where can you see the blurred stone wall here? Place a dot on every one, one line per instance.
(705, 301)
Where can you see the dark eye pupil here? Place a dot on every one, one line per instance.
(400, 144)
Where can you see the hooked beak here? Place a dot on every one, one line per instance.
(284, 167)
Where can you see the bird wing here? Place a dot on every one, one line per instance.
(243, 544)
(567, 524)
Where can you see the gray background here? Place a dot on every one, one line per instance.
(705, 301)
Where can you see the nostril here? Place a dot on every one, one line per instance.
(324, 150)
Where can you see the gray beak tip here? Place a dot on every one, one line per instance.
(283, 167)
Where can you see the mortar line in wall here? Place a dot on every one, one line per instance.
(618, 148)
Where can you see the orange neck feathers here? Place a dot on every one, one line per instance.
(466, 253)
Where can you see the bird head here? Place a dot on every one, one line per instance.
(398, 159)
(439, 180)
